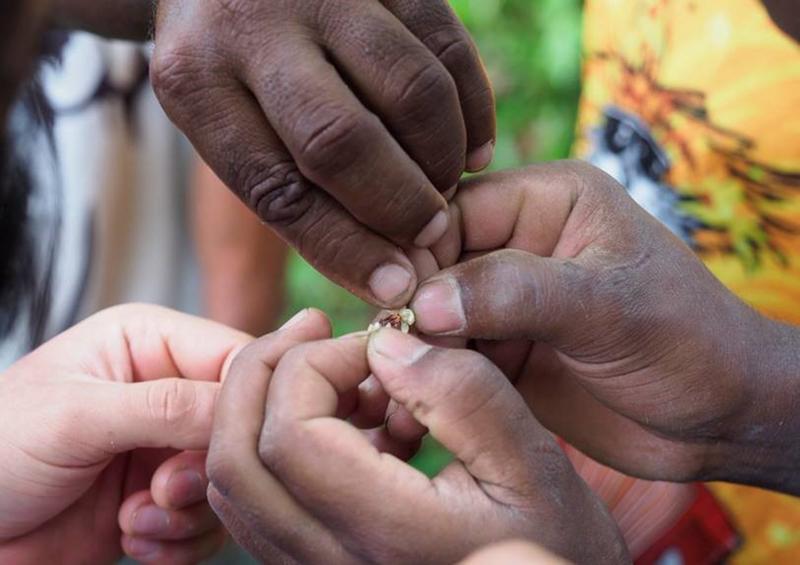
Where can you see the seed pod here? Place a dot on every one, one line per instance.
(402, 320)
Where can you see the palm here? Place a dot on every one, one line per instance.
(551, 386)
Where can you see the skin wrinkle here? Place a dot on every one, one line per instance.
(405, 197)
(455, 40)
(319, 32)
(216, 121)
(375, 538)
(308, 239)
(334, 147)
(425, 82)
(476, 96)
(323, 143)
(279, 194)
(393, 94)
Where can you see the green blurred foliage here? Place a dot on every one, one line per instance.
(531, 49)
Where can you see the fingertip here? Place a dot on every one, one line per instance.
(439, 308)
(396, 347)
(184, 488)
(434, 231)
(391, 284)
(129, 507)
(480, 159)
(320, 320)
(142, 549)
(309, 319)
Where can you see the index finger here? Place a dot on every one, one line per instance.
(328, 465)
(345, 149)
(142, 342)
(245, 494)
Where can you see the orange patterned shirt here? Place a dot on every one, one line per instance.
(694, 106)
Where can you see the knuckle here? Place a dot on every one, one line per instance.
(277, 440)
(478, 383)
(588, 179)
(270, 446)
(452, 45)
(329, 145)
(170, 403)
(428, 82)
(222, 470)
(249, 354)
(172, 71)
(280, 435)
(477, 372)
(277, 192)
(296, 358)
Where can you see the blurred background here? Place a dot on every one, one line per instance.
(532, 53)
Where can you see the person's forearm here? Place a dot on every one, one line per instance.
(123, 19)
(764, 446)
(242, 263)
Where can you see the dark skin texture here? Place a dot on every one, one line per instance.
(296, 482)
(20, 28)
(346, 121)
(619, 338)
(334, 120)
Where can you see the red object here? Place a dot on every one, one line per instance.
(704, 535)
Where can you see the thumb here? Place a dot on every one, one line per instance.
(468, 405)
(505, 295)
(165, 413)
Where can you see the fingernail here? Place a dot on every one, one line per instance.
(389, 283)
(150, 520)
(438, 308)
(398, 347)
(450, 194)
(185, 488)
(142, 548)
(294, 320)
(434, 231)
(480, 158)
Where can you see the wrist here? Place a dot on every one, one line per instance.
(760, 445)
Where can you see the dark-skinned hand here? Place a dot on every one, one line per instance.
(619, 338)
(344, 124)
(296, 482)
